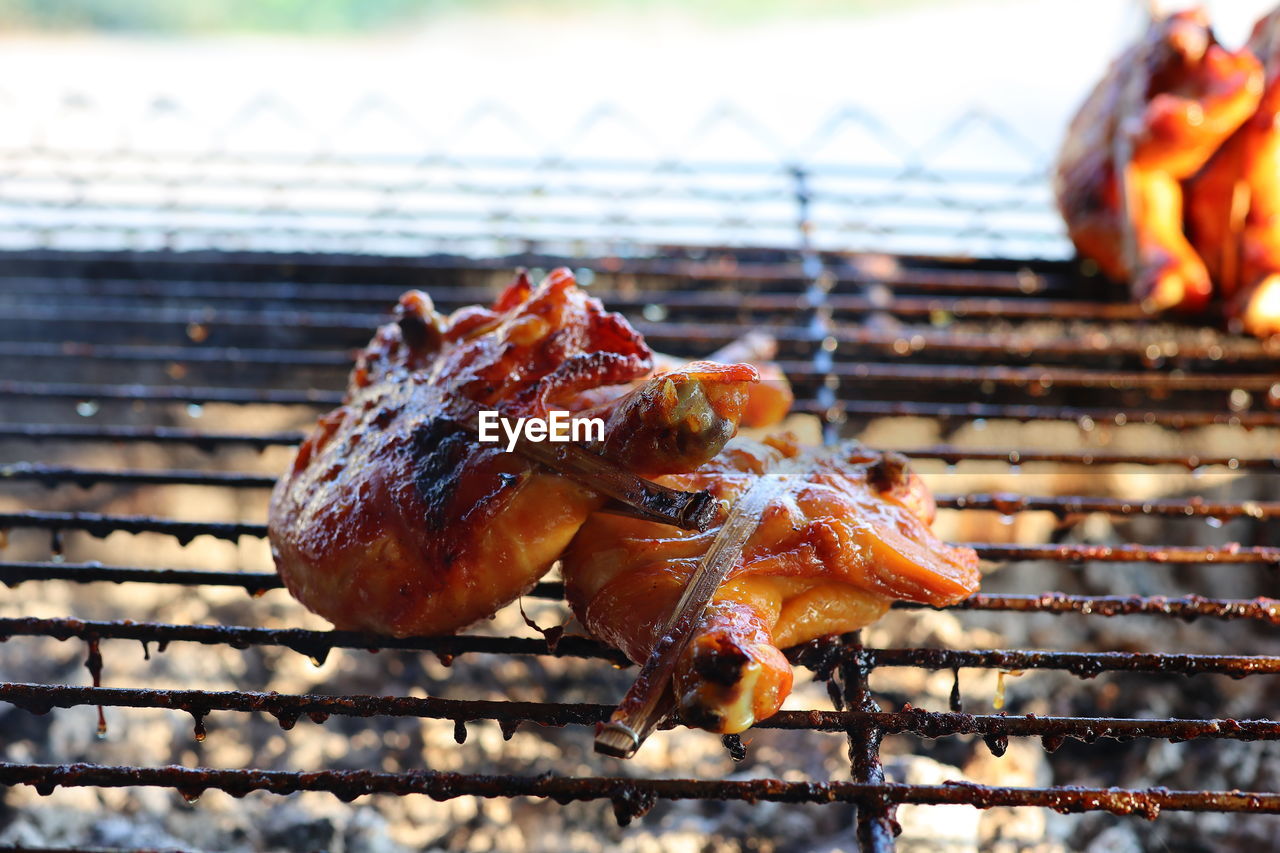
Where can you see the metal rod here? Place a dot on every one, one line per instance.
(99, 525)
(14, 573)
(102, 525)
(53, 475)
(954, 454)
(1042, 377)
(376, 297)
(208, 441)
(350, 784)
(1087, 418)
(949, 453)
(313, 644)
(1182, 607)
(858, 407)
(169, 393)
(1192, 507)
(317, 644)
(41, 698)
(905, 342)
(233, 357)
(876, 826)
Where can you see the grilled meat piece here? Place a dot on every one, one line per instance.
(848, 535)
(393, 519)
(1233, 204)
(1168, 103)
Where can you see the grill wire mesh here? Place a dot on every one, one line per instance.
(801, 292)
(142, 346)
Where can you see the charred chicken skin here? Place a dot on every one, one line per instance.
(394, 519)
(847, 535)
(1161, 111)
(1233, 204)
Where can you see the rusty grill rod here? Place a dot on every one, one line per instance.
(951, 454)
(1086, 418)
(208, 441)
(318, 644)
(375, 298)
(288, 708)
(184, 531)
(632, 797)
(1183, 607)
(1043, 377)
(1175, 418)
(1006, 503)
(76, 351)
(169, 393)
(913, 340)
(725, 264)
(903, 342)
(1193, 507)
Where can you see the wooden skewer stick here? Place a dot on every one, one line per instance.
(649, 700)
(631, 494)
(1131, 103)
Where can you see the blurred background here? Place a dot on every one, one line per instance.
(406, 126)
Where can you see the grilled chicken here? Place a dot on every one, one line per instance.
(393, 519)
(848, 535)
(1233, 204)
(1163, 108)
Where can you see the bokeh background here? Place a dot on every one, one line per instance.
(928, 126)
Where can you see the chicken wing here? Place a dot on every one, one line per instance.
(393, 519)
(848, 535)
(1168, 103)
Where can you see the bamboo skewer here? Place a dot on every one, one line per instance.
(630, 494)
(649, 700)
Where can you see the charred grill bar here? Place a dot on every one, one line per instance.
(199, 342)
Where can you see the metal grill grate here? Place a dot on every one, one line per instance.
(131, 338)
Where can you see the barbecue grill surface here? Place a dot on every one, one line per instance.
(149, 399)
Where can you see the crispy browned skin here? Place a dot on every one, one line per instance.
(393, 519)
(1177, 95)
(849, 534)
(1233, 204)
(768, 400)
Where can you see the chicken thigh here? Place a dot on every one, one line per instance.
(394, 519)
(847, 535)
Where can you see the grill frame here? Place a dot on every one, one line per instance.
(846, 663)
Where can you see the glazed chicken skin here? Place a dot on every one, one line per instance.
(847, 535)
(1233, 204)
(394, 519)
(1164, 106)
(768, 400)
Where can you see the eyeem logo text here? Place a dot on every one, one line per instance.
(557, 426)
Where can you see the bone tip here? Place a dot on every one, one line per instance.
(702, 511)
